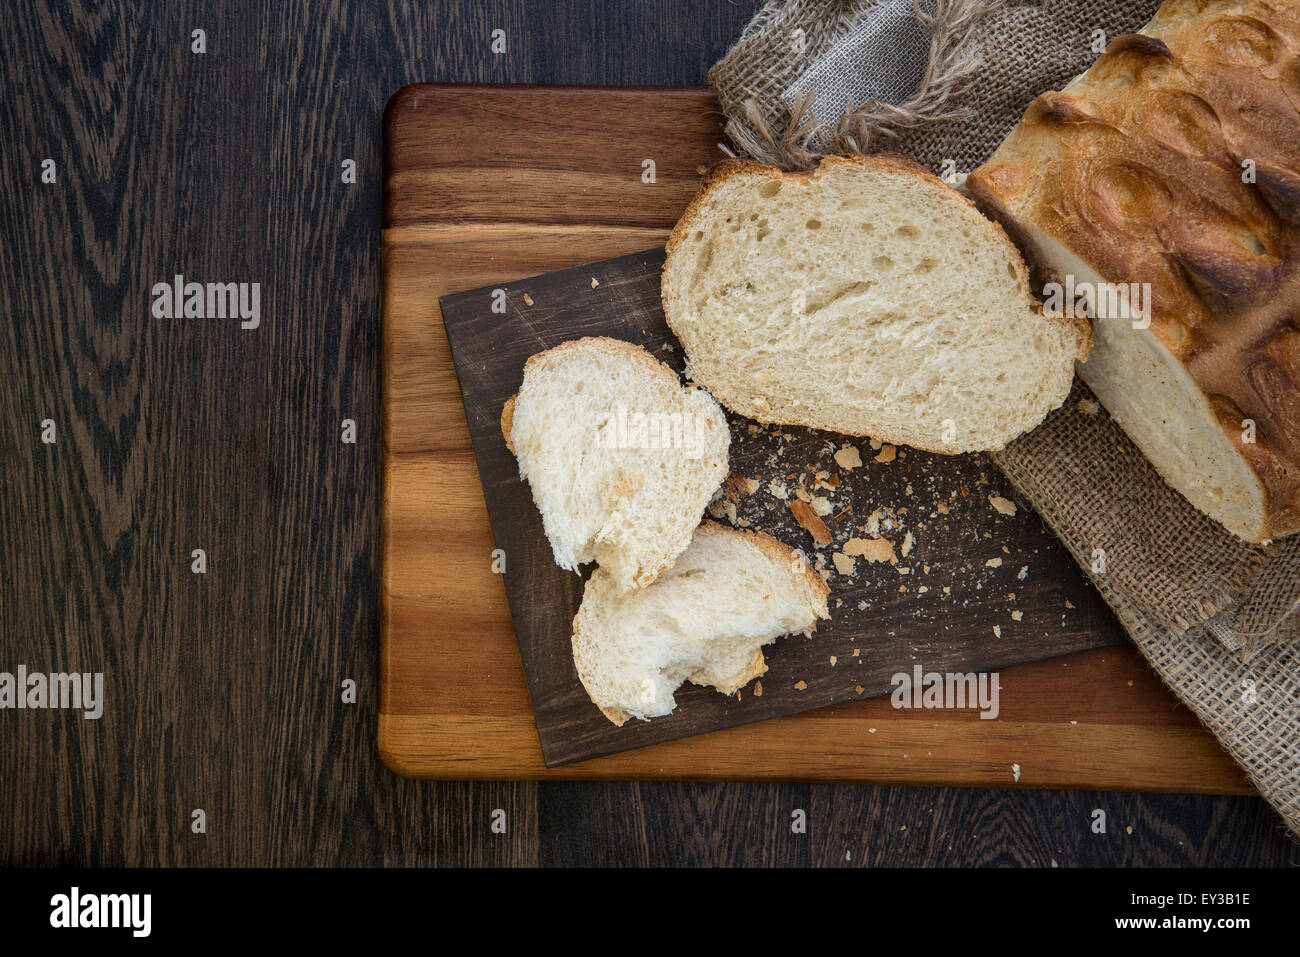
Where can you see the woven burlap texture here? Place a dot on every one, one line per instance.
(1216, 617)
(989, 58)
(1142, 545)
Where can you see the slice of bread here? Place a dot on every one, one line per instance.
(704, 621)
(864, 297)
(620, 457)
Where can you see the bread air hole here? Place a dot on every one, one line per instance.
(769, 189)
(882, 263)
(907, 231)
(814, 224)
(925, 265)
(704, 259)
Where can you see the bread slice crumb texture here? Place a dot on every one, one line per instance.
(705, 620)
(865, 297)
(621, 458)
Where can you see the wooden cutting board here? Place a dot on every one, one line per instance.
(484, 185)
(967, 587)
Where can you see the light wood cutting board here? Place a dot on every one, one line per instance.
(485, 185)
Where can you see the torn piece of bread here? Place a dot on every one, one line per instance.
(704, 621)
(1170, 172)
(621, 458)
(864, 297)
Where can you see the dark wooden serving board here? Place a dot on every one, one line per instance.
(484, 184)
(977, 589)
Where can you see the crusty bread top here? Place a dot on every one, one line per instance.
(1137, 167)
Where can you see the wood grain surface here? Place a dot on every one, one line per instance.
(970, 589)
(455, 699)
(223, 690)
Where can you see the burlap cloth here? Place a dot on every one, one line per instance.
(945, 81)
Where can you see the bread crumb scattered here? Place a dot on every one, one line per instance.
(821, 505)
(1015, 771)
(997, 630)
(778, 490)
(594, 282)
(1023, 573)
(1068, 603)
(801, 686)
(872, 549)
(941, 508)
(528, 300)
(908, 542)
(1017, 615)
(844, 564)
(833, 660)
(873, 522)
(758, 689)
(848, 457)
(740, 486)
(1003, 505)
(1088, 407)
(805, 516)
(993, 563)
(887, 453)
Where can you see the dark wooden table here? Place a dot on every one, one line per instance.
(224, 690)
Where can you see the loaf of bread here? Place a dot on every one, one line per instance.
(621, 458)
(864, 297)
(705, 621)
(1174, 162)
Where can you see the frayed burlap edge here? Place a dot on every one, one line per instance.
(785, 139)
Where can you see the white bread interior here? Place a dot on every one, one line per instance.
(865, 297)
(705, 620)
(1158, 404)
(629, 499)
